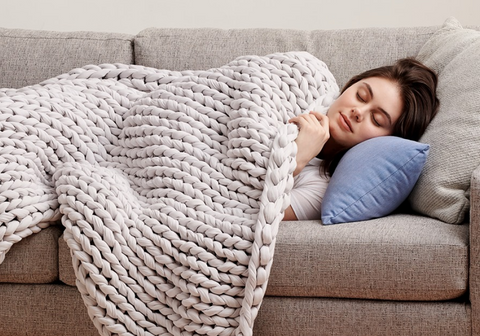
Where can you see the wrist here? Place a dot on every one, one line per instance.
(300, 165)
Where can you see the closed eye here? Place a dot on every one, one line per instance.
(385, 113)
(360, 98)
(375, 120)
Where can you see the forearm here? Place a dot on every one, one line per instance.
(289, 214)
(301, 163)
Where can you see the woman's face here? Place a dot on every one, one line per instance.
(367, 109)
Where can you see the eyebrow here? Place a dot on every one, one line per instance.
(369, 88)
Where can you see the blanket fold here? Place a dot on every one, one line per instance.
(170, 185)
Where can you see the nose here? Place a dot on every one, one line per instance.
(357, 114)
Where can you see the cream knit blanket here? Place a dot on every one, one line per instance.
(170, 185)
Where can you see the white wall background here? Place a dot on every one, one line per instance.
(131, 16)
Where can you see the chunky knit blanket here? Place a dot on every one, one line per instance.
(170, 185)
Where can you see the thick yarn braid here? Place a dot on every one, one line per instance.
(170, 185)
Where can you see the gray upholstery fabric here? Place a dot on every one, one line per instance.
(474, 274)
(66, 273)
(346, 52)
(310, 259)
(401, 257)
(29, 56)
(43, 310)
(443, 188)
(56, 310)
(329, 317)
(34, 259)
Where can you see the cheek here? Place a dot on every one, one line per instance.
(371, 131)
(341, 102)
(332, 108)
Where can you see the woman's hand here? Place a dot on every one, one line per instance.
(313, 134)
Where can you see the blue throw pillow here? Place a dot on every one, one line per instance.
(372, 179)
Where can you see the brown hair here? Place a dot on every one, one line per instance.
(418, 85)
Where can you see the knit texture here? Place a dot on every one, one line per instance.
(170, 185)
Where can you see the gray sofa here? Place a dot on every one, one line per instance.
(404, 274)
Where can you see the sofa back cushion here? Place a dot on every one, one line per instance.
(443, 190)
(346, 52)
(30, 56)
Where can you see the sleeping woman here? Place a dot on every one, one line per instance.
(398, 100)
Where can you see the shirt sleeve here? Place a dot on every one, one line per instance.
(307, 193)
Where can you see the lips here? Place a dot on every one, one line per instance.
(345, 123)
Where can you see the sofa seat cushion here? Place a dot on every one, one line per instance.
(66, 274)
(287, 316)
(399, 257)
(57, 310)
(43, 310)
(34, 259)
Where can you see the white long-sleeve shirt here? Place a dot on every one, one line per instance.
(309, 186)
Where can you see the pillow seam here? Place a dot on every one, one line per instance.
(378, 184)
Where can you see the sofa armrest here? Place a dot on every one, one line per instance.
(474, 282)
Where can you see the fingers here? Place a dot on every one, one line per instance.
(313, 133)
(322, 118)
(304, 119)
(318, 115)
(312, 118)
